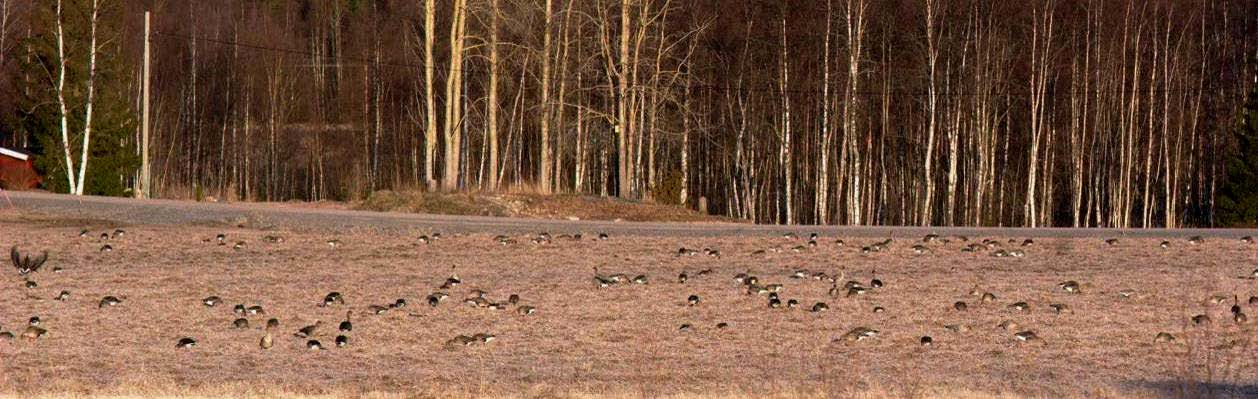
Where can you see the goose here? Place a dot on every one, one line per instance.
(346, 325)
(484, 338)
(272, 323)
(435, 298)
(683, 251)
(33, 333)
(957, 328)
(960, 306)
(740, 278)
(1026, 336)
(1201, 320)
(308, 331)
(333, 298)
(1253, 300)
(497, 306)
(692, 300)
(722, 325)
(524, 310)
(1164, 337)
(820, 307)
(64, 295)
(423, 239)
(460, 340)
(854, 291)
(681, 278)
(24, 263)
(267, 340)
(1017, 253)
(314, 345)
(879, 309)
(399, 303)
(31, 284)
(1236, 304)
(211, 301)
(186, 343)
(775, 303)
(1059, 308)
(799, 274)
(341, 341)
(1126, 293)
(600, 281)
(5, 335)
(926, 340)
(930, 237)
(274, 239)
(1217, 299)
(712, 253)
(792, 303)
(875, 282)
(221, 238)
(988, 297)
(334, 243)
(107, 248)
(378, 310)
(118, 233)
(858, 334)
(109, 300)
(1194, 240)
(640, 279)
(84, 233)
(703, 272)
(1247, 239)
(1019, 306)
(104, 236)
(1111, 241)
(839, 243)
(238, 245)
(774, 287)
(603, 237)
(34, 321)
(477, 302)
(513, 299)
(1165, 244)
(684, 327)
(1028, 242)
(255, 310)
(1239, 318)
(1069, 286)
(920, 249)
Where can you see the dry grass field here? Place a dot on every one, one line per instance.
(623, 340)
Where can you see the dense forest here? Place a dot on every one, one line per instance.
(1113, 113)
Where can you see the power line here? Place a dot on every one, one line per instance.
(770, 89)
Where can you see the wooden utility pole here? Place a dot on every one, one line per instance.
(144, 189)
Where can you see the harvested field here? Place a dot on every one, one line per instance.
(624, 340)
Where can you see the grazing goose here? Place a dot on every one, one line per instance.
(960, 306)
(603, 237)
(1165, 244)
(1164, 337)
(920, 249)
(186, 343)
(1247, 239)
(1253, 300)
(1028, 242)
(484, 338)
(1126, 293)
(255, 310)
(334, 243)
(238, 245)
(31, 284)
(875, 282)
(879, 309)
(721, 325)
(1194, 240)
(341, 341)
(272, 323)
(1111, 241)
(460, 340)
(820, 307)
(346, 326)
(241, 323)
(857, 290)
(1020, 306)
(513, 299)
(1217, 299)
(435, 298)
(109, 300)
(1026, 336)
(314, 345)
(34, 321)
(640, 279)
(107, 248)
(1069, 286)
(239, 309)
(775, 303)
(333, 298)
(476, 301)
(988, 297)
(858, 334)
(24, 263)
(1059, 308)
(64, 295)
(524, 310)
(792, 303)
(379, 310)
(5, 335)
(927, 340)
(684, 327)
(211, 301)
(308, 331)
(1201, 320)
(932, 237)
(600, 281)
(398, 304)
(692, 300)
(33, 333)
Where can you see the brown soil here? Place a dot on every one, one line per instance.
(562, 206)
(622, 340)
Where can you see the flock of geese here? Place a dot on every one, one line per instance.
(27, 266)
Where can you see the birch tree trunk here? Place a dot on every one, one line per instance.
(61, 100)
(454, 93)
(932, 57)
(430, 65)
(544, 155)
(494, 70)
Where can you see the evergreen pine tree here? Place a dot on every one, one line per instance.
(1238, 196)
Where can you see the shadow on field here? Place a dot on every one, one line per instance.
(1196, 389)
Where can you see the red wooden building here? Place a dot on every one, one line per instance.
(17, 170)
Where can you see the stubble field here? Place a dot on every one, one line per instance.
(624, 340)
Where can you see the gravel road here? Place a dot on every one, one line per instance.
(298, 217)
